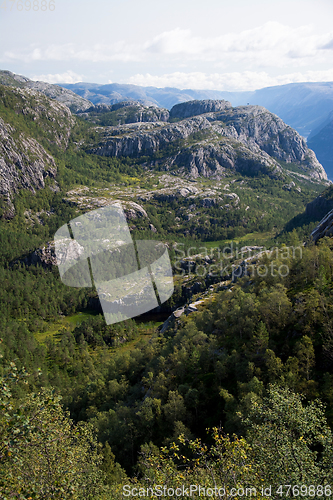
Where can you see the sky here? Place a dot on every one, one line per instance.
(213, 44)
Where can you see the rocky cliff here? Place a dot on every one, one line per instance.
(24, 163)
(30, 123)
(124, 112)
(248, 139)
(195, 108)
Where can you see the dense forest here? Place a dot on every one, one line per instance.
(235, 396)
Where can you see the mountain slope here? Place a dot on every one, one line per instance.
(233, 170)
(30, 126)
(61, 94)
(303, 106)
(247, 139)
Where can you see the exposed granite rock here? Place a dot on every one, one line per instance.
(24, 163)
(256, 126)
(194, 108)
(324, 228)
(247, 139)
(145, 138)
(133, 210)
(214, 160)
(124, 113)
(44, 257)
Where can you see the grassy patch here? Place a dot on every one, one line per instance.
(68, 322)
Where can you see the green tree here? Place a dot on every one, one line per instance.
(260, 339)
(306, 356)
(43, 454)
(291, 441)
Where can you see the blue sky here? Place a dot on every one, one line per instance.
(216, 44)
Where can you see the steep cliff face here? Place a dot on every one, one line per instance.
(30, 123)
(255, 125)
(24, 163)
(248, 139)
(145, 138)
(213, 160)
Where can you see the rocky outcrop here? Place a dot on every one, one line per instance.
(324, 228)
(74, 102)
(214, 160)
(247, 139)
(195, 108)
(145, 138)
(255, 126)
(24, 163)
(44, 256)
(124, 113)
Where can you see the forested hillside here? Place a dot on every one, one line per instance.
(229, 383)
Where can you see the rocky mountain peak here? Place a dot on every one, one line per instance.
(194, 108)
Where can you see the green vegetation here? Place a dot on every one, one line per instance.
(238, 394)
(242, 363)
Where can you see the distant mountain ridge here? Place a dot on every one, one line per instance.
(322, 143)
(303, 106)
(204, 139)
(306, 107)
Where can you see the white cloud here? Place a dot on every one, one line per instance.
(247, 80)
(67, 77)
(270, 45)
(70, 51)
